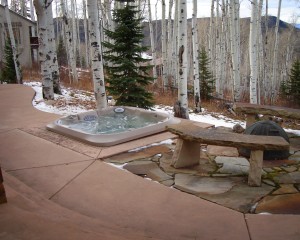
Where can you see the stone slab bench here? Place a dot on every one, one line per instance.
(251, 110)
(187, 150)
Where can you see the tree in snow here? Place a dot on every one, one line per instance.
(126, 68)
(207, 80)
(292, 87)
(9, 72)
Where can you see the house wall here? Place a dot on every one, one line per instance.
(21, 27)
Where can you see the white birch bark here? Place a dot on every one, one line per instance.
(274, 78)
(74, 33)
(235, 47)
(152, 42)
(69, 43)
(175, 46)
(44, 55)
(197, 98)
(267, 83)
(260, 54)
(85, 24)
(219, 92)
(13, 43)
(212, 39)
(253, 52)
(182, 58)
(96, 54)
(169, 41)
(164, 45)
(52, 51)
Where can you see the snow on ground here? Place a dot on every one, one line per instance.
(76, 101)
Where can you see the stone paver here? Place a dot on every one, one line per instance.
(241, 197)
(156, 174)
(196, 184)
(140, 167)
(280, 204)
(233, 165)
(222, 151)
(285, 189)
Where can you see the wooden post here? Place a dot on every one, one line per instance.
(2, 190)
(255, 171)
(186, 154)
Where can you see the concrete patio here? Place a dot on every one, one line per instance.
(58, 188)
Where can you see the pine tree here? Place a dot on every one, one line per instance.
(127, 71)
(207, 80)
(294, 82)
(9, 72)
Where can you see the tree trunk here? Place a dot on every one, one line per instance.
(275, 54)
(44, 51)
(253, 52)
(182, 60)
(86, 40)
(164, 45)
(96, 54)
(235, 47)
(196, 59)
(69, 43)
(217, 66)
(52, 52)
(153, 49)
(13, 44)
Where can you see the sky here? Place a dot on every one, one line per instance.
(290, 9)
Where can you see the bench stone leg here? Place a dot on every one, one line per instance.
(255, 171)
(186, 154)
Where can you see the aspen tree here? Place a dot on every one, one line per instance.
(235, 47)
(45, 56)
(195, 59)
(275, 55)
(86, 40)
(164, 45)
(69, 42)
(175, 46)
(96, 54)
(182, 104)
(253, 52)
(13, 43)
(152, 42)
(52, 51)
(212, 39)
(217, 56)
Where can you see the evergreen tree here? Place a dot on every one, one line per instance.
(9, 72)
(294, 82)
(205, 76)
(127, 71)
